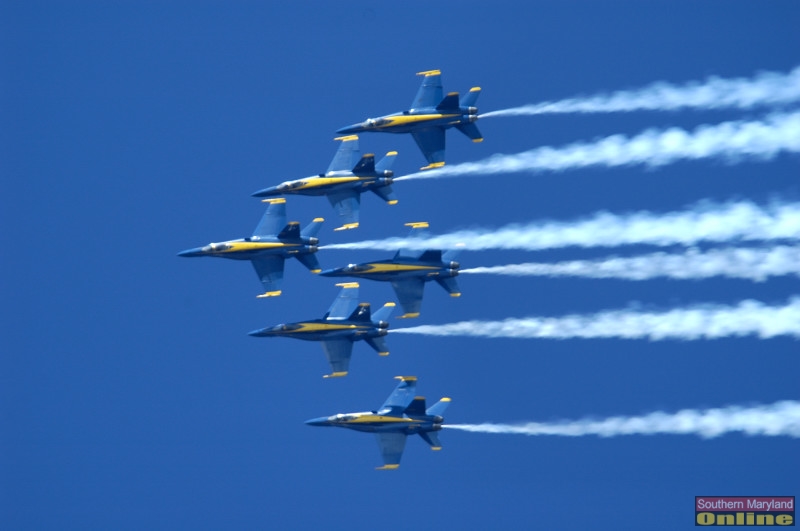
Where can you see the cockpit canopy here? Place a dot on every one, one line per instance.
(375, 122)
(290, 185)
(351, 268)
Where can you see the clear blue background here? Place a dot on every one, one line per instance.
(132, 397)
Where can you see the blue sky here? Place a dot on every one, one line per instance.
(132, 396)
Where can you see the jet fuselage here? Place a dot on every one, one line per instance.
(325, 329)
(327, 184)
(374, 422)
(253, 247)
(413, 120)
(387, 270)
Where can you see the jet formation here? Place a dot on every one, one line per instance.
(428, 118)
(408, 272)
(402, 414)
(346, 322)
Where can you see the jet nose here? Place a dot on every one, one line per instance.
(197, 251)
(265, 192)
(319, 421)
(355, 128)
(261, 332)
(329, 272)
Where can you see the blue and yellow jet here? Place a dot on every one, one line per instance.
(348, 176)
(408, 272)
(346, 322)
(430, 114)
(271, 244)
(402, 414)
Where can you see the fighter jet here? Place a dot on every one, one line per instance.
(271, 244)
(402, 414)
(430, 114)
(346, 322)
(348, 176)
(408, 272)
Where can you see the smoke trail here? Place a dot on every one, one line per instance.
(767, 88)
(731, 140)
(752, 264)
(749, 317)
(780, 418)
(733, 221)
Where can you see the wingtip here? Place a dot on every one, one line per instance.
(455, 295)
(347, 226)
(406, 378)
(409, 315)
(417, 224)
(316, 271)
(392, 202)
(339, 374)
(348, 284)
(426, 73)
(432, 165)
(318, 220)
(274, 200)
(269, 294)
(388, 467)
(347, 138)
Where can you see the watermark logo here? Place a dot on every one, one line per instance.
(744, 510)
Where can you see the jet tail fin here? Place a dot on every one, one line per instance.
(312, 228)
(438, 408)
(386, 162)
(384, 313)
(449, 103)
(471, 130)
(416, 408)
(431, 438)
(365, 166)
(469, 99)
(290, 232)
(361, 313)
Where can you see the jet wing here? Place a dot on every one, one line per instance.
(431, 143)
(274, 219)
(347, 155)
(409, 293)
(345, 304)
(347, 204)
(338, 352)
(430, 92)
(401, 397)
(269, 269)
(392, 446)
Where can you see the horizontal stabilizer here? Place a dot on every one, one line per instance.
(386, 193)
(471, 130)
(384, 313)
(290, 232)
(310, 261)
(432, 438)
(438, 408)
(469, 99)
(386, 162)
(365, 166)
(312, 228)
(450, 285)
(449, 103)
(378, 344)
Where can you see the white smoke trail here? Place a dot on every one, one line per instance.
(733, 221)
(767, 88)
(729, 140)
(749, 317)
(752, 264)
(778, 419)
